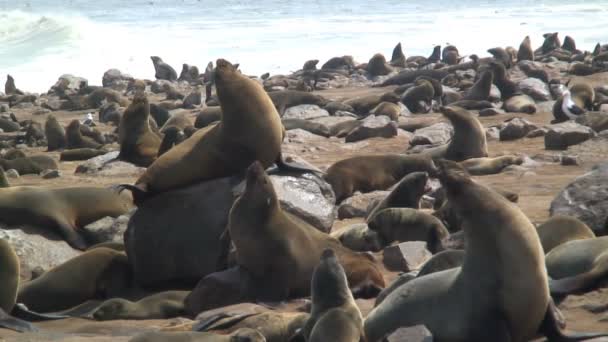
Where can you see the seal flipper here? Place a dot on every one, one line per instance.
(291, 165)
(579, 282)
(552, 328)
(71, 236)
(139, 193)
(21, 312)
(12, 323)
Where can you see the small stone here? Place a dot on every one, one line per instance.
(516, 128)
(406, 256)
(50, 174)
(373, 127)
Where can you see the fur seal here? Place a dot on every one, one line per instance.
(55, 134)
(334, 315)
(377, 66)
(274, 326)
(560, 229)
(469, 140)
(310, 65)
(480, 91)
(189, 73)
(507, 87)
(29, 165)
(398, 57)
(263, 235)
(418, 99)
(8, 125)
(569, 44)
(75, 139)
(3, 181)
(10, 88)
(289, 98)
(241, 335)
(208, 116)
(98, 273)
(81, 154)
(138, 144)
(550, 43)
(179, 120)
(9, 276)
(407, 224)
(501, 55)
(373, 172)
(362, 105)
(62, 209)
(307, 125)
(490, 166)
(442, 261)
(173, 136)
(501, 291)
(405, 194)
(336, 63)
(159, 114)
(163, 70)
(520, 104)
(226, 148)
(161, 305)
(392, 110)
(360, 238)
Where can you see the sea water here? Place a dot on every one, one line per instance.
(43, 39)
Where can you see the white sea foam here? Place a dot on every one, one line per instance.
(39, 43)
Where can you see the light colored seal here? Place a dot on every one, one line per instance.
(138, 143)
(560, 229)
(161, 305)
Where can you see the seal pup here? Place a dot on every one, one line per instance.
(161, 305)
(374, 172)
(64, 210)
(263, 235)
(163, 70)
(138, 144)
(10, 88)
(334, 315)
(501, 291)
(55, 134)
(560, 229)
(226, 148)
(469, 140)
(75, 139)
(96, 274)
(398, 57)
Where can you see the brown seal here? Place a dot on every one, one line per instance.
(96, 274)
(9, 284)
(377, 66)
(480, 91)
(520, 104)
(173, 136)
(81, 154)
(226, 148)
(490, 166)
(469, 140)
(208, 116)
(55, 134)
(374, 172)
(288, 98)
(138, 144)
(501, 55)
(30, 165)
(405, 194)
(10, 88)
(334, 315)
(500, 293)
(163, 70)
(419, 97)
(62, 209)
(161, 305)
(75, 139)
(362, 105)
(398, 57)
(525, 52)
(263, 235)
(560, 229)
(392, 110)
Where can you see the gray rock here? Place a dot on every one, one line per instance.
(305, 112)
(53, 103)
(37, 248)
(516, 129)
(119, 169)
(535, 88)
(495, 94)
(333, 120)
(437, 134)
(69, 83)
(108, 229)
(334, 106)
(175, 236)
(95, 164)
(300, 136)
(373, 127)
(11, 173)
(416, 333)
(308, 197)
(545, 107)
(406, 256)
(357, 205)
(586, 198)
(193, 99)
(565, 134)
(50, 174)
(116, 80)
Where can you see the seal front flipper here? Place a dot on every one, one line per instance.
(552, 328)
(139, 193)
(290, 165)
(9, 322)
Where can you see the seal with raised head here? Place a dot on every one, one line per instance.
(263, 235)
(469, 140)
(250, 129)
(418, 98)
(560, 229)
(100, 273)
(334, 315)
(161, 305)
(10, 88)
(377, 66)
(398, 57)
(138, 144)
(374, 172)
(75, 139)
(525, 52)
(62, 209)
(480, 91)
(163, 70)
(501, 291)
(55, 134)
(405, 194)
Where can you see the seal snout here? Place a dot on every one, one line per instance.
(255, 172)
(328, 253)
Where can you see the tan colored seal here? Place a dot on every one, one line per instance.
(55, 134)
(161, 305)
(138, 144)
(490, 166)
(469, 140)
(75, 139)
(560, 229)
(377, 66)
(9, 276)
(62, 209)
(525, 52)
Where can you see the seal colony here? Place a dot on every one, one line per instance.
(342, 203)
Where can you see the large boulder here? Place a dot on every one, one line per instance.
(437, 134)
(108, 229)
(68, 84)
(116, 80)
(536, 89)
(565, 134)
(305, 112)
(175, 236)
(586, 198)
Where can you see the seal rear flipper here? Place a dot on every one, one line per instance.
(552, 328)
(227, 321)
(22, 312)
(290, 165)
(580, 282)
(9, 322)
(139, 193)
